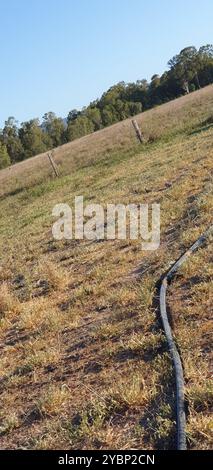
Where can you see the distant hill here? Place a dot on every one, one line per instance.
(189, 70)
(84, 361)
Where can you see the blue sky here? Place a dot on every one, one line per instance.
(57, 55)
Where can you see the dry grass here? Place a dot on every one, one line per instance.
(9, 305)
(52, 402)
(84, 361)
(161, 122)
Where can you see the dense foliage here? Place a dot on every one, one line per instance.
(191, 69)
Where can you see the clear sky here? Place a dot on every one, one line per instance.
(57, 55)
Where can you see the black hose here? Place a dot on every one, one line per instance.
(180, 405)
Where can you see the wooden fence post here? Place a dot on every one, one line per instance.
(53, 164)
(137, 130)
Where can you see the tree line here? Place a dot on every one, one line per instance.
(188, 71)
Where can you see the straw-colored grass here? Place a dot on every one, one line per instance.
(84, 363)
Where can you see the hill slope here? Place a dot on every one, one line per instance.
(84, 360)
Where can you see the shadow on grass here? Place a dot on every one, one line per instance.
(12, 193)
(201, 129)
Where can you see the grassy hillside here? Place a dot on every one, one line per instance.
(84, 361)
